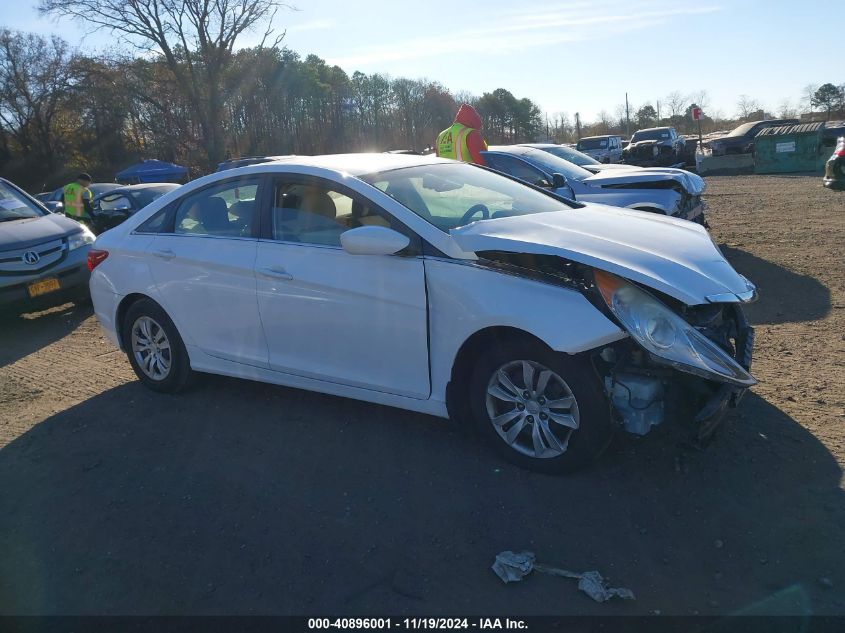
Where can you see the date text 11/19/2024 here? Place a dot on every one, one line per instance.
(431, 624)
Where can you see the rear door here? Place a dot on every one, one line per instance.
(203, 268)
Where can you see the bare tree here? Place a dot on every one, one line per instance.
(746, 106)
(786, 110)
(807, 96)
(676, 103)
(195, 37)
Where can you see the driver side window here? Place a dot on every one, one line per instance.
(308, 212)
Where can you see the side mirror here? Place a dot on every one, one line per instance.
(373, 240)
(559, 181)
(122, 207)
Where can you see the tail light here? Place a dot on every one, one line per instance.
(95, 258)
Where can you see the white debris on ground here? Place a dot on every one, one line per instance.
(513, 567)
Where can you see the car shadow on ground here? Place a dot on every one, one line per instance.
(25, 333)
(238, 497)
(784, 296)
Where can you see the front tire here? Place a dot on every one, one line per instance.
(155, 349)
(540, 409)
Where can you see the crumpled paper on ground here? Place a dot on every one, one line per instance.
(513, 567)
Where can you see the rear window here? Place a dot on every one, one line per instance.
(592, 143)
(651, 135)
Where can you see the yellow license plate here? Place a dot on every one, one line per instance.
(43, 287)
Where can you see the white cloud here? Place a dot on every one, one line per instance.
(516, 30)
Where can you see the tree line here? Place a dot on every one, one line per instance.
(191, 96)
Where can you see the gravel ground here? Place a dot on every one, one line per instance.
(239, 497)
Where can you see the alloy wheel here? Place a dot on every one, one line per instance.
(151, 348)
(532, 408)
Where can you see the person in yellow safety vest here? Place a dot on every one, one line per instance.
(463, 140)
(77, 198)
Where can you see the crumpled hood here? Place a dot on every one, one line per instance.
(670, 255)
(467, 115)
(22, 233)
(692, 183)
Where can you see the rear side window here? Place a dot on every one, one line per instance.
(228, 209)
(156, 224)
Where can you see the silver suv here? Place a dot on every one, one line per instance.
(605, 149)
(43, 255)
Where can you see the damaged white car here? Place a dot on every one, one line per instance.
(667, 191)
(434, 286)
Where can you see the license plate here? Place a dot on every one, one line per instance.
(43, 287)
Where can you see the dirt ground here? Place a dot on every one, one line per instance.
(239, 497)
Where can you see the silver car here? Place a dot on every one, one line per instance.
(605, 149)
(43, 255)
(672, 192)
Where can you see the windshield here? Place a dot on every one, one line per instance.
(453, 195)
(650, 135)
(15, 206)
(742, 130)
(555, 165)
(571, 155)
(592, 143)
(144, 196)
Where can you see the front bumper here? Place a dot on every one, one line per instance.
(726, 396)
(71, 273)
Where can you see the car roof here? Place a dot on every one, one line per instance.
(146, 185)
(584, 138)
(512, 149)
(654, 129)
(356, 164)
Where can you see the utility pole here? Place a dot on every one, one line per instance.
(658, 113)
(578, 125)
(627, 118)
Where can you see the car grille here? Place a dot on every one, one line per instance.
(13, 262)
(645, 151)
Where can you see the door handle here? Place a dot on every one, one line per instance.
(165, 254)
(276, 273)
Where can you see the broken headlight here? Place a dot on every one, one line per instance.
(665, 335)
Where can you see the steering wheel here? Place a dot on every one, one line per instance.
(476, 208)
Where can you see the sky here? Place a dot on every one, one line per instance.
(566, 55)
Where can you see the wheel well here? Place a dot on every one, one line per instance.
(122, 308)
(456, 402)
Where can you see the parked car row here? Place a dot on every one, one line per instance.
(430, 263)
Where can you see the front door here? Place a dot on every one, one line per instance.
(357, 320)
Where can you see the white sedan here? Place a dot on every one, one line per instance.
(434, 286)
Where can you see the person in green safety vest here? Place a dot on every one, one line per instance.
(463, 140)
(77, 198)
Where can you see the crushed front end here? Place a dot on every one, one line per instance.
(678, 358)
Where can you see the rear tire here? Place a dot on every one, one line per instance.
(559, 423)
(155, 349)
